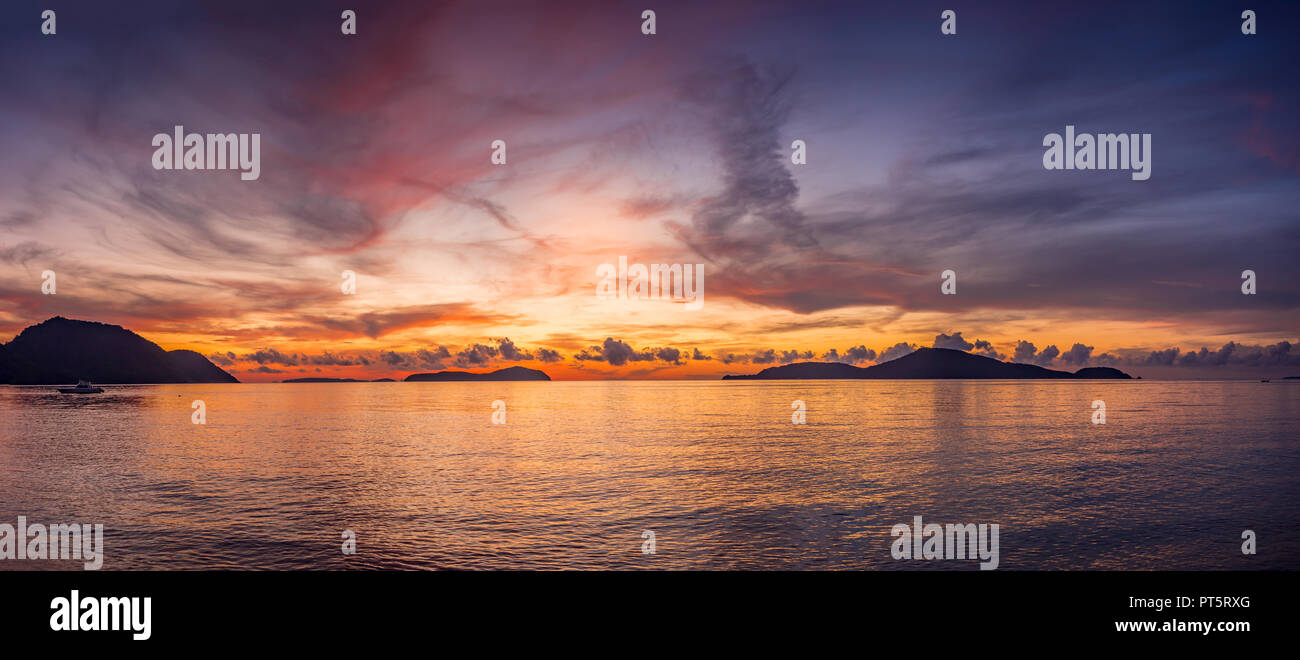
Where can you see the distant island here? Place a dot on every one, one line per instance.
(927, 363)
(59, 351)
(335, 380)
(510, 373)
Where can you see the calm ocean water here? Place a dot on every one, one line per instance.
(715, 469)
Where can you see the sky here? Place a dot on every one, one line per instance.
(924, 153)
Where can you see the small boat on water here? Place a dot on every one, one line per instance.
(83, 387)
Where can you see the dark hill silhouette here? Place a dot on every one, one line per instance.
(926, 363)
(59, 351)
(1100, 372)
(805, 370)
(319, 379)
(510, 373)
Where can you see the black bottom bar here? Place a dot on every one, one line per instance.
(922, 609)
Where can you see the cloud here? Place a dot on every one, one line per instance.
(1214, 359)
(620, 353)
(985, 348)
(859, 354)
(271, 356)
(424, 358)
(1024, 353)
(1077, 355)
(1047, 355)
(433, 358)
(1027, 353)
(644, 206)
(672, 355)
(329, 359)
(476, 355)
(1231, 355)
(790, 356)
(509, 351)
(222, 359)
(851, 355)
(748, 106)
(896, 351)
(379, 323)
(953, 341)
(614, 352)
(27, 251)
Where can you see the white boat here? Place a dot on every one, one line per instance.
(83, 387)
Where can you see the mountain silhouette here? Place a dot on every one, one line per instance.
(926, 363)
(509, 373)
(59, 351)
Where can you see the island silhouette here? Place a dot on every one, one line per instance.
(59, 350)
(318, 379)
(926, 363)
(509, 373)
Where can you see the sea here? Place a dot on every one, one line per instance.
(655, 475)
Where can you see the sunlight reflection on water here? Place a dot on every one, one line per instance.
(715, 469)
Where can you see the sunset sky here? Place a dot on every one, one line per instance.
(924, 154)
